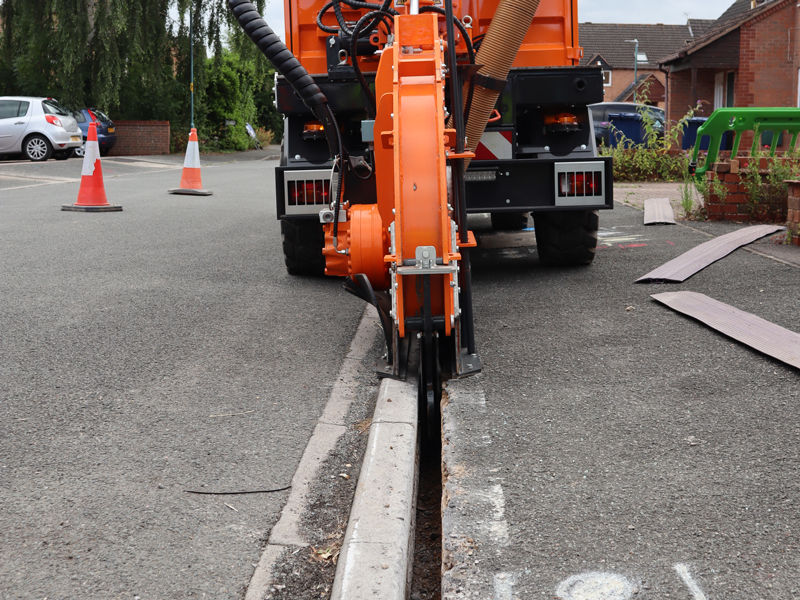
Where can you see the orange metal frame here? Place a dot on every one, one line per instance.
(552, 38)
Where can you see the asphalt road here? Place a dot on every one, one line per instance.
(614, 449)
(144, 353)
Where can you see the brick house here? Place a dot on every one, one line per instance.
(750, 56)
(605, 44)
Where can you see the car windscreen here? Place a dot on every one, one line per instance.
(51, 107)
(79, 116)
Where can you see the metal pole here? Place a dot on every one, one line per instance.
(635, 68)
(191, 62)
(635, 64)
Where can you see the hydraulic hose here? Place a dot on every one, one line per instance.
(287, 65)
(497, 53)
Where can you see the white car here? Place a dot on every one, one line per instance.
(38, 128)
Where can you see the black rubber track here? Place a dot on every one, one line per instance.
(303, 241)
(567, 237)
(513, 221)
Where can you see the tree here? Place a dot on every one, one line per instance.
(130, 58)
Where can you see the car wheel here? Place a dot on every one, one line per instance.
(37, 148)
(64, 154)
(79, 152)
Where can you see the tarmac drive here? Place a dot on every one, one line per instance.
(144, 353)
(614, 449)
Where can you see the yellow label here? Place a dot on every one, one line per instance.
(191, 87)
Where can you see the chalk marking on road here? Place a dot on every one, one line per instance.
(247, 412)
(497, 527)
(595, 586)
(331, 425)
(504, 586)
(683, 572)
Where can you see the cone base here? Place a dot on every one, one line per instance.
(190, 192)
(105, 208)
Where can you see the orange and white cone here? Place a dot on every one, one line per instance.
(191, 180)
(92, 194)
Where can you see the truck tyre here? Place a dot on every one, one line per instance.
(567, 237)
(509, 221)
(303, 241)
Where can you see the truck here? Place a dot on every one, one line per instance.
(402, 118)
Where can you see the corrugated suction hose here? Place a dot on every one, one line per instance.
(498, 50)
(277, 53)
(296, 75)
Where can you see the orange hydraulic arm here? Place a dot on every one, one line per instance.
(409, 243)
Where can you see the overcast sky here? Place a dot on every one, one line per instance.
(649, 11)
(596, 11)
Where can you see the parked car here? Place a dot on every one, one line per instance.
(603, 121)
(38, 128)
(106, 132)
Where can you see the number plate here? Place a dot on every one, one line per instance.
(75, 138)
(110, 130)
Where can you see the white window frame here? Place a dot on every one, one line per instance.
(606, 72)
(719, 90)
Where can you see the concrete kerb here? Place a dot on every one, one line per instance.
(286, 534)
(376, 557)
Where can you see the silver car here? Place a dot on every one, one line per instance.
(38, 128)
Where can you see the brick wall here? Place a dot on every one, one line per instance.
(622, 78)
(735, 205)
(137, 138)
(767, 51)
(680, 93)
(793, 216)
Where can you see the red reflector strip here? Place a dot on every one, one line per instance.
(589, 183)
(309, 193)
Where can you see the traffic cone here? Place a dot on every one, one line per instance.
(191, 181)
(92, 194)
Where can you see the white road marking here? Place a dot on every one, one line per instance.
(35, 177)
(683, 572)
(33, 185)
(595, 586)
(504, 586)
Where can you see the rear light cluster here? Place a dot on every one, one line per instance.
(309, 193)
(580, 183)
(53, 120)
(94, 118)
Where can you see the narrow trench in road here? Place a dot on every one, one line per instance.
(426, 582)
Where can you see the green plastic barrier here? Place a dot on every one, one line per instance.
(737, 121)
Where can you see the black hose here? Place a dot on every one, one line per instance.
(386, 6)
(320, 24)
(337, 10)
(340, 184)
(372, 109)
(287, 65)
(470, 53)
(277, 53)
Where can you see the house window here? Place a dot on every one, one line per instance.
(606, 78)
